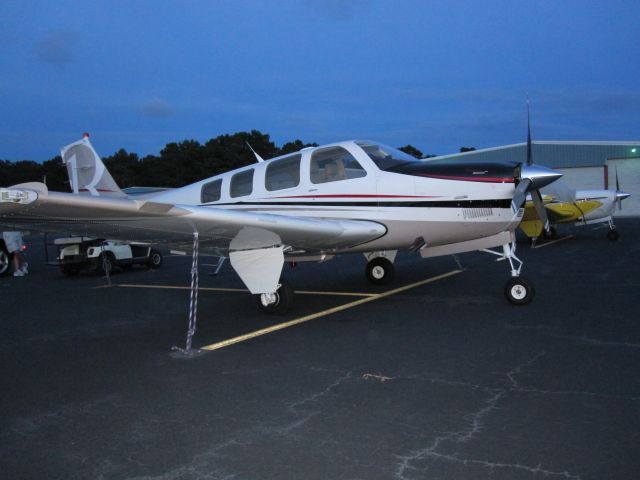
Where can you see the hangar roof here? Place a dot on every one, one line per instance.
(556, 154)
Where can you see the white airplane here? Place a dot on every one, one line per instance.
(346, 197)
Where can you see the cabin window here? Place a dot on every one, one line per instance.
(334, 164)
(211, 191)
(241, 184)
(283, 173)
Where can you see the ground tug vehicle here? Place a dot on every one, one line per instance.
(96, 254)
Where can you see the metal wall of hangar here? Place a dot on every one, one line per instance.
(585, 165)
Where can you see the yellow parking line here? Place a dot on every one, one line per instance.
(340, 308)
(244, 290)
(335, 294)
(554, 241)
(180, 287)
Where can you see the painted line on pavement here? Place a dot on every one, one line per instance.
(324, 313)
(237, 290)
(554, 241)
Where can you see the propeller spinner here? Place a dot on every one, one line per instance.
(620, 195)
(530, 180)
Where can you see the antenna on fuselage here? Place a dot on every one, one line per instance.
(258, 157)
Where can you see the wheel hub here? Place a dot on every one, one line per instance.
(518, 292)
(377, 272)
(268, 299)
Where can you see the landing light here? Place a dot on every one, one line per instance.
(8, 195)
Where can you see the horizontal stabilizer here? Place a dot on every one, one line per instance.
(35, 186)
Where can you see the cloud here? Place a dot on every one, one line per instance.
(57, 48)
(155, 108)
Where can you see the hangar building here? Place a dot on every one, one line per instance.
(585, 165)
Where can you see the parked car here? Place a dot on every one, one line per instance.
(100, 255)
(5, 258)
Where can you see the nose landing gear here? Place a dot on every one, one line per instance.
(518, 290)
(612, 234)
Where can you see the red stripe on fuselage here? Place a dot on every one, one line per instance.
(360, 195)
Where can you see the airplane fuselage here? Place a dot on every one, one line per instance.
(418, 202)
(353, 196)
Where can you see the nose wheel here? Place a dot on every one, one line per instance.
(519, 291)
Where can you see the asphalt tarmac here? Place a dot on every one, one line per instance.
(442, 380)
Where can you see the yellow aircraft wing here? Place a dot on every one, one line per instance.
(557, 212)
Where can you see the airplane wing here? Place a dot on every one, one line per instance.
(557, 212)
(571, 212)
(32, 207)
(531, 224)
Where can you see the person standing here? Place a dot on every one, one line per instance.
(15, 245)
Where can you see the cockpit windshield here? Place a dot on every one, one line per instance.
(386, 158)
(560, 191)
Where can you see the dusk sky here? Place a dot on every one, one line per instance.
(437, 75)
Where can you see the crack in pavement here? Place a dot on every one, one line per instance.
(475, 420)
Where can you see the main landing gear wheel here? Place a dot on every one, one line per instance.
(278, 302)
(519, 291)
(380, 271)
(613, 235)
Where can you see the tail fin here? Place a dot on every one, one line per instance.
(87, 173)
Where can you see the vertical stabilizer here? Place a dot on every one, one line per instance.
(87, 173)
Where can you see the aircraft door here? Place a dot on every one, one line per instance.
(334, 171)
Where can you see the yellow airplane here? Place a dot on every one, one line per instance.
(558, 203)
(580, 207)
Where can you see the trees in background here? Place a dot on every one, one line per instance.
(178, 164)
(50, 172)
(414, 152)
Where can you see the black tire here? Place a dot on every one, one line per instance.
(519, 291)
(380, 271)
(613, 235)
(552, 234)
(283, 300)
(5, 263)
(69, 270)
(106, 262)
(155, 259)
